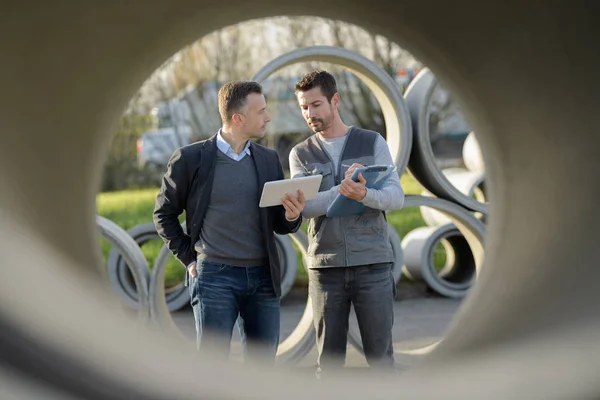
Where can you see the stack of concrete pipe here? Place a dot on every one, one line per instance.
(123, 244)
(448, 192)
(462, 186)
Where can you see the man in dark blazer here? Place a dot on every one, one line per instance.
(229, 247)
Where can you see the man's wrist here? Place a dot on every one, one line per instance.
(366, 196)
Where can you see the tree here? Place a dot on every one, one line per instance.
(121, 169)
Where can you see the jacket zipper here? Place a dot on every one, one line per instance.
(338, 181)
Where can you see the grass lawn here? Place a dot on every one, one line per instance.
(133, 207)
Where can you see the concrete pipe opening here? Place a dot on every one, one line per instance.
(455, 279)
(122, 280)
(397, 251)
(472, 156)
(537, 133)
(124, 245)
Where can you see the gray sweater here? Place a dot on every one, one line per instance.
(231, 232)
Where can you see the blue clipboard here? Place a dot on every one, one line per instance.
(375, 175)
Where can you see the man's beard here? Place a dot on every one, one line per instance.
(320, 127)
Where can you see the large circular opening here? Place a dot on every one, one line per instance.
(48, 222)
(399, 136)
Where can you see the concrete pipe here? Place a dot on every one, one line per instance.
(398, 253)
(472, 156)
(526, 76)
(473, 232)
(295, 347)
(176, 296)
(467, 182)
(422, 162)
(174, 300)
(448, 263)
(122, 280)
(119, 275)
(138, 266)
(419, 245)
(395, 114)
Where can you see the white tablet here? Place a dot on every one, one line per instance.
(274, 191)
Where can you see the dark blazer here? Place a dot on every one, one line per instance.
(186, 186)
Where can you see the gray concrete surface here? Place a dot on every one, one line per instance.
(526, 73)
(420, 319)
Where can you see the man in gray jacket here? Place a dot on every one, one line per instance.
(351, 256)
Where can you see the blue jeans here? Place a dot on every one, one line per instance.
(220, 294)
(371, 289)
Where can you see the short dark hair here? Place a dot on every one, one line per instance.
(321, 79)
(232, 97)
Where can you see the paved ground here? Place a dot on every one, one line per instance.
(420, 319)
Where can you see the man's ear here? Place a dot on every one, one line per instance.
(335, 100)
(237, 119)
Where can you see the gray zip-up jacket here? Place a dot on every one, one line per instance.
(350, 240)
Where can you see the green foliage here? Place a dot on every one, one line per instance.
(121, 170)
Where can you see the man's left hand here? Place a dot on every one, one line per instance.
(293, 205)
(354, 190)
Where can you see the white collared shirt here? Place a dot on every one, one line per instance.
(228, 150)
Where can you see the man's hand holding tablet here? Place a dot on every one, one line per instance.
(293, 205)
(291, 193)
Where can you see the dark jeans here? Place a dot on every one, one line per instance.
(371, 290)
(222, 293)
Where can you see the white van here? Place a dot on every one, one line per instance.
(154, 148)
